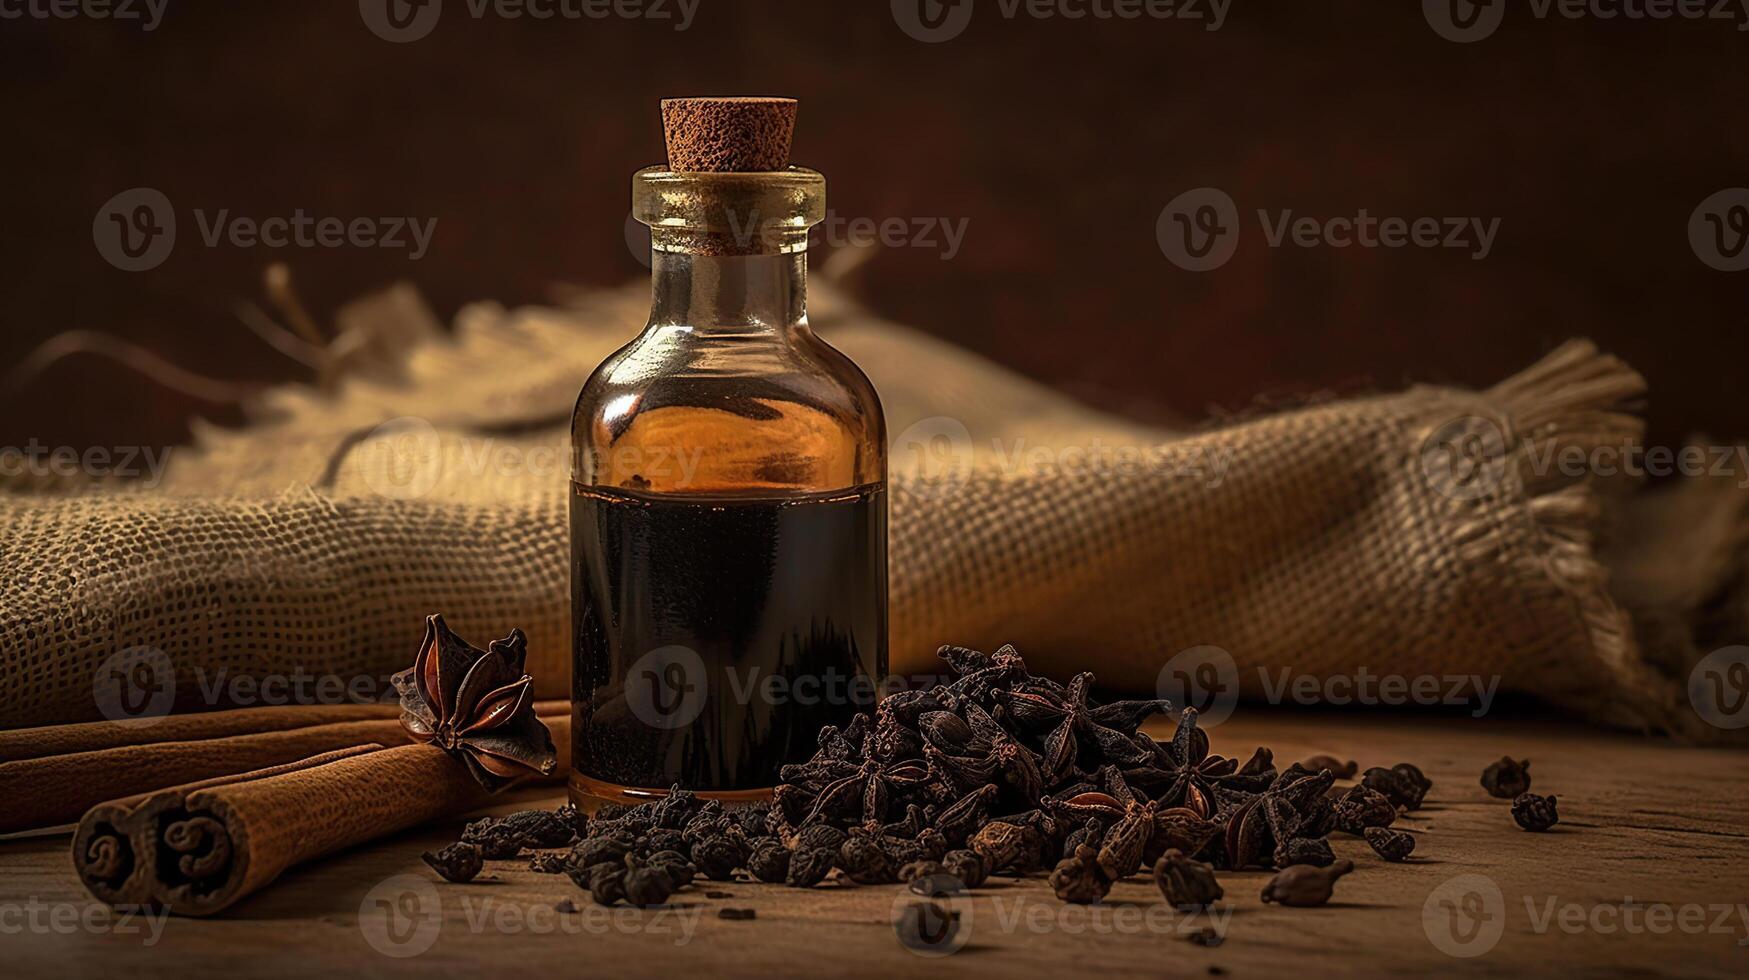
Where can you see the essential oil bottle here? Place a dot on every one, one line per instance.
(728, 499)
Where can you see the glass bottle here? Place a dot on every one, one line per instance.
(728, 508)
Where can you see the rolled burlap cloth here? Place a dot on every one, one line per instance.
(199, 848)
(1420, 533)
(55, 788)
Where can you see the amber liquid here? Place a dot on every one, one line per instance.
(716, 635)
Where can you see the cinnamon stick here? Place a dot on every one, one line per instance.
(199, 848)
(46, 740)
(52, 790)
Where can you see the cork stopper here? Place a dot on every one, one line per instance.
(736, 135)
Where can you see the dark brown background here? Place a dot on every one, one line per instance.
(1060, 141)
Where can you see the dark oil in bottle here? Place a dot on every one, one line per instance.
(716, 635)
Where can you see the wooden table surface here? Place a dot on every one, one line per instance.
(1647, 875)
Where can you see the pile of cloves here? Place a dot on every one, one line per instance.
(1028, 774)
(996, 772)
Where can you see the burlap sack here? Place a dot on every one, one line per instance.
(1400, 534)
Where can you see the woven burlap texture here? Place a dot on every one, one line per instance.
(1330, 539)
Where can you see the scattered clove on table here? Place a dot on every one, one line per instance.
(1187, 884)
(1535, 813)
(458, 862)
(1304, 885)
(1507, 779)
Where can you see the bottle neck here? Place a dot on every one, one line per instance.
(731, 293)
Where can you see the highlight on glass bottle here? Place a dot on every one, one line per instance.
(728, 511)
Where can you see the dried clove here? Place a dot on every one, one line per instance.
(675, 865)
(968, 866)
(1535, 813)
(458, 862)
(663, 839)
(542, 829)
(1080, 879)
(646, 886)
(808, 868)
(864, 861)
(1413, 773)
(606, 883)
(598, 850)
(1396, 786)
(769, 861)
(1187, 884)
(1507, 779)
(751, 818)
(496, 839)
(1360, 808)
(1392, 845)
(1303, 885)
(717, 857)
(819, 836)
(928, 845)
(1002, 845)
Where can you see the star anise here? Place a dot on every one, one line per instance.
(867, 789)
(1139, 827)
(1294, 805)
(981, 675)
(477, 705)
(994, 756)
(905, 707)
(1039, 707)
(1080, 724)
(844, 745)
(1183, 772)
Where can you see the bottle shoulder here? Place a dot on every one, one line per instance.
(684, 411)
